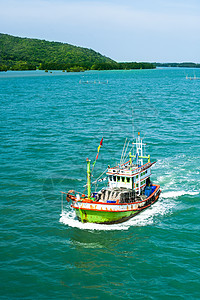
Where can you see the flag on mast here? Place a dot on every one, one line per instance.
(101, 144)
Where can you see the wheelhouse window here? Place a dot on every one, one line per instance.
(118, 178)
(114, 178)
(110, 177)
(128, 179)
(123, 179)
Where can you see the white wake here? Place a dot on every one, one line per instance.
(146, 217)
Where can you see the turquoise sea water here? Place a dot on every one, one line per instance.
(50, 124)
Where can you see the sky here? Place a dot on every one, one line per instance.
(137, 30)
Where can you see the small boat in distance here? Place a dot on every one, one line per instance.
(129, 190)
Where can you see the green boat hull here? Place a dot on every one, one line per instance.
(111, 217)
(104, 217)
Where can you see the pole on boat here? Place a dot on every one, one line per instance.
(130, 158)
(123, 151)
(88, 178)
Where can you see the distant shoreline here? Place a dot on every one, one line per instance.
(140, 66)
(78, 69)
(178, 65)
(42, 73)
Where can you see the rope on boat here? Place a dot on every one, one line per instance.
(95, 182)
(128, 154)
(97, 178)
(123, 151)
(84, 189)
(100, 176)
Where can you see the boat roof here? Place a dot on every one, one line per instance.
(128, 169)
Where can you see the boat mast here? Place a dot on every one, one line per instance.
(139, 149)
(88, 178)
(139, 156)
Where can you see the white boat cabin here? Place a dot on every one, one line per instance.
(129, 175)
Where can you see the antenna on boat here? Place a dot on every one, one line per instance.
(123, 152)
(139, 149)
(123, 159)
(88, 178)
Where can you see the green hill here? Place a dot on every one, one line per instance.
(18, 53)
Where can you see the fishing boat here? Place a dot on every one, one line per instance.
(128, 192)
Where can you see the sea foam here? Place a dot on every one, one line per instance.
(146, 217)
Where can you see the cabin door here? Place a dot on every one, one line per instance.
(133, 181)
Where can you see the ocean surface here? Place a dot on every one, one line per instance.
(50, 124)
